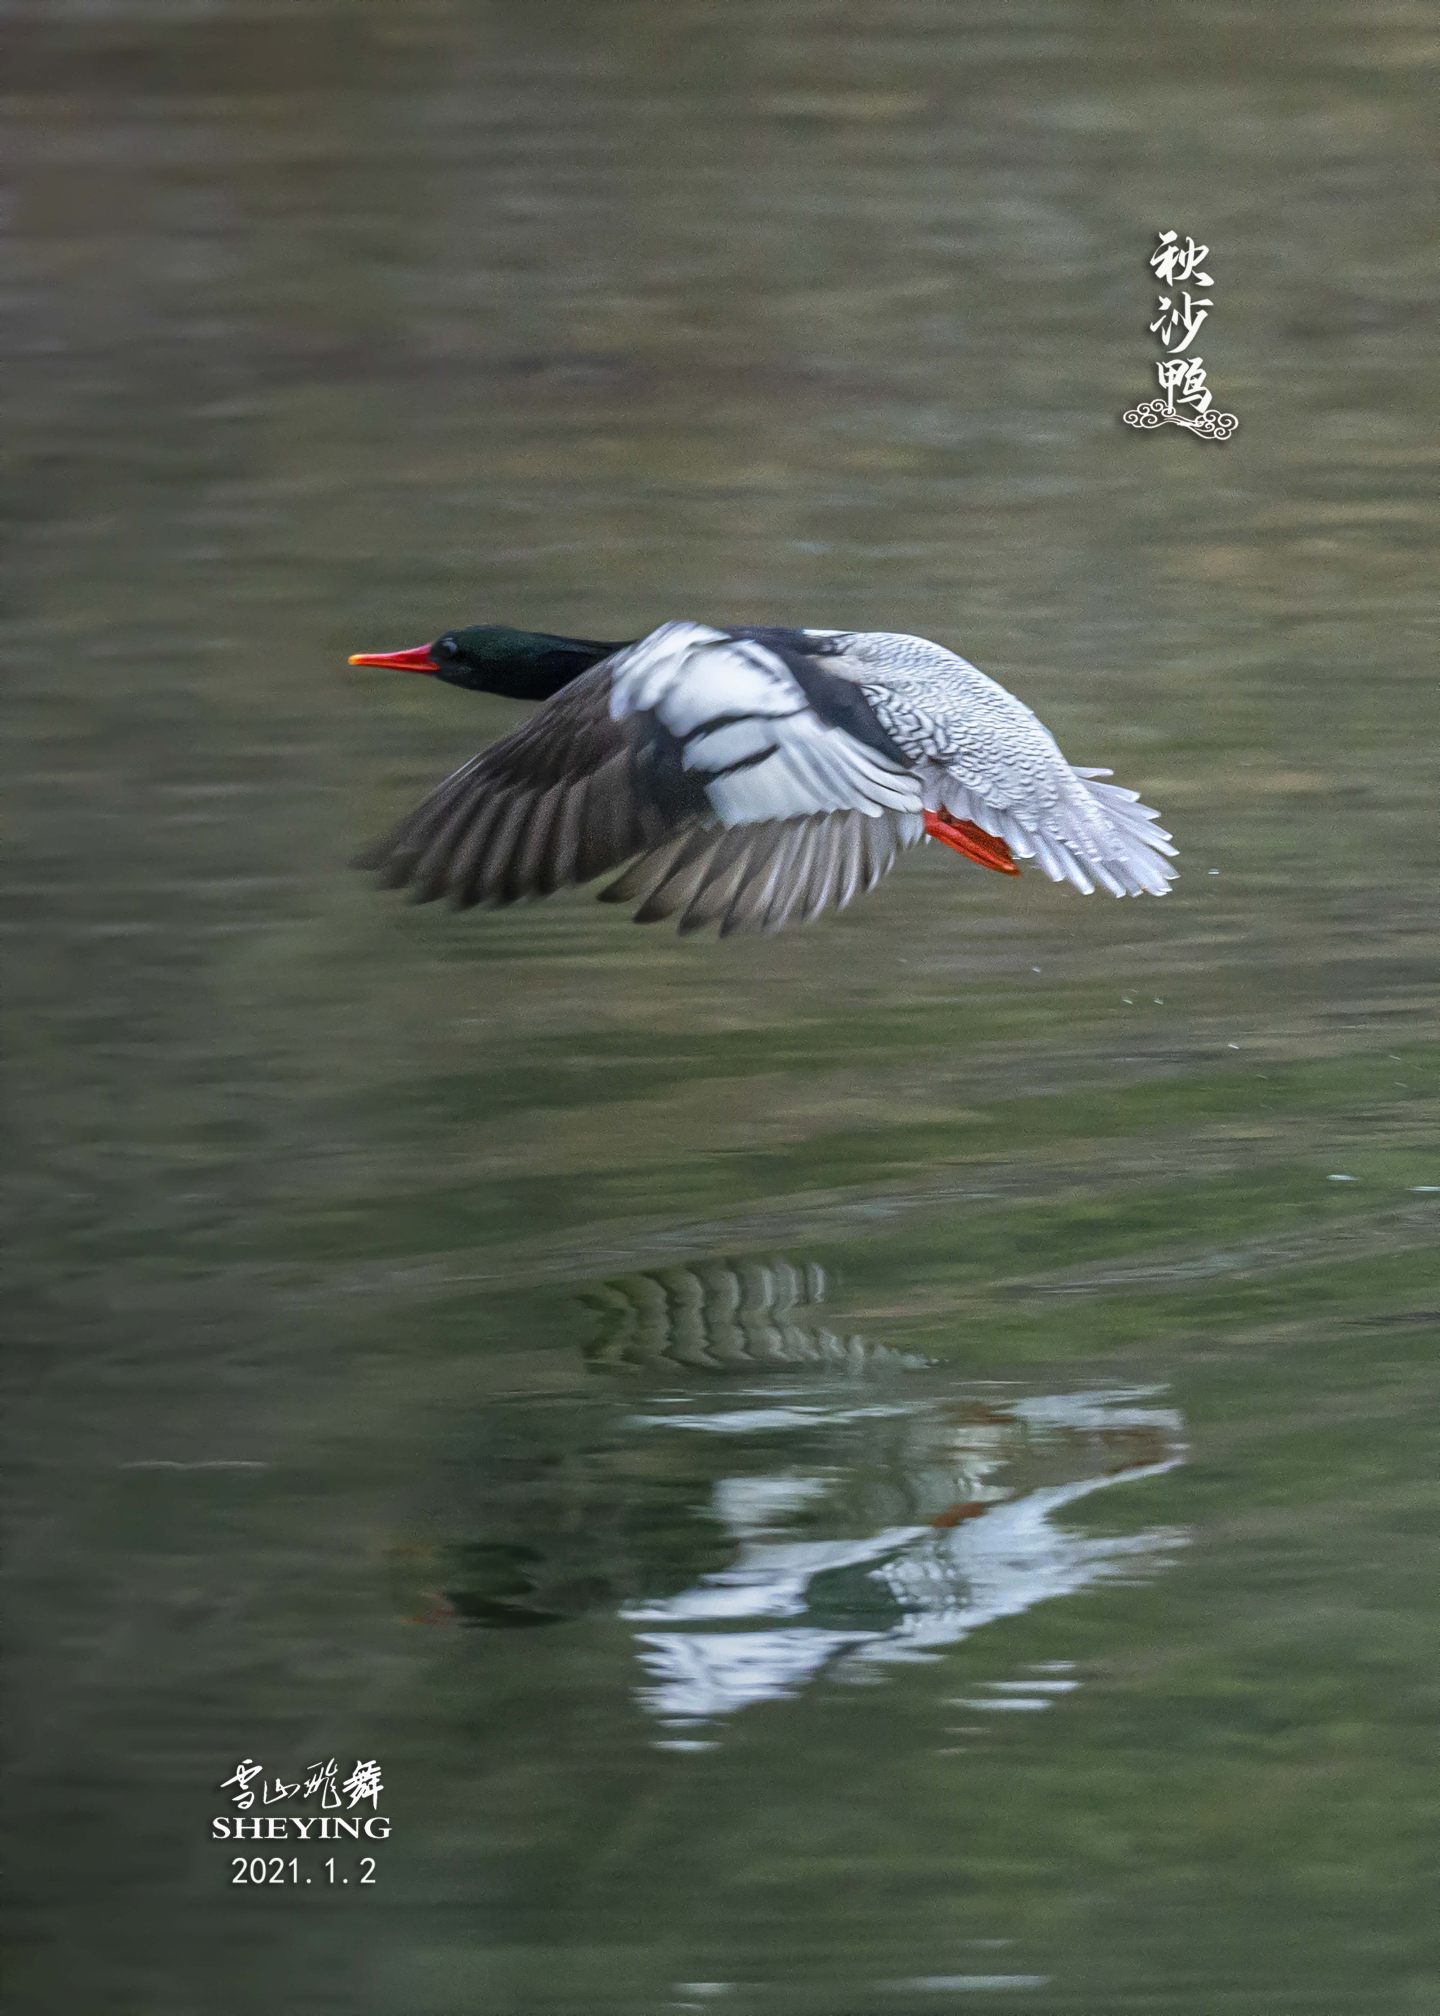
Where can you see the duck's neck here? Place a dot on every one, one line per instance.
(528, 664)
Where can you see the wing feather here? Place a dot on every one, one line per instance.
(466, 884)
(674, 893)
(755, 878)
(725, 870)
(764, 909)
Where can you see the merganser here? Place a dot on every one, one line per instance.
(749, 777)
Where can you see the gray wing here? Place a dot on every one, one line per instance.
(763, 877)
(698, 752)
(568, 796)
(984, 756)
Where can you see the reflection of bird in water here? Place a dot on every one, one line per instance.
(778, 1498)
(750, 777)
(726, 1316)
(909, 1527)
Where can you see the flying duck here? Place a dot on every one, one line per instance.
(750, 777)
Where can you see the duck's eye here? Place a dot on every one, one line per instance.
(448, 648)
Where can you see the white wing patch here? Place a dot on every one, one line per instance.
(746, 728)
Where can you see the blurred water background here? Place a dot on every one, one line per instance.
(888, 1469)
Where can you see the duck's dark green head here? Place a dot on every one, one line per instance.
(488, 658)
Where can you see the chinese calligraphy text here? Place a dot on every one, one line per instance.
(1180, 311)
(337, 1805)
